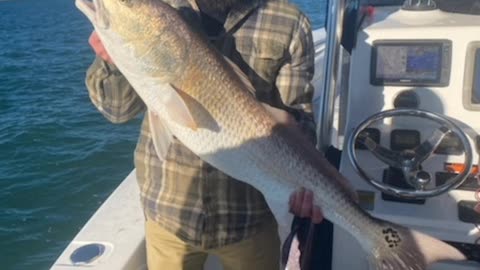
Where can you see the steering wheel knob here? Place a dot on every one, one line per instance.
(422, 179)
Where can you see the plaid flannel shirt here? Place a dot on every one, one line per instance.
(272, 44)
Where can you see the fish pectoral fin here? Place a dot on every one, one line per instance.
(178, 110)
(162, 136)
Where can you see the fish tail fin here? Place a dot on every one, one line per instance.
(399, 248)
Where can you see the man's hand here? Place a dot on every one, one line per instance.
(301, 205)
(98, 47)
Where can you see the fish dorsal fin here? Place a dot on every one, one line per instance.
(178, 110)
(161, 136)
(243, 78)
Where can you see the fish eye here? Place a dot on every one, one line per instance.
(126, 2)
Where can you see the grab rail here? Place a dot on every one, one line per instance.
(331, 69)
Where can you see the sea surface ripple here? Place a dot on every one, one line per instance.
(59, 158)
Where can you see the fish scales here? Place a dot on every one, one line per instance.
(168, 63)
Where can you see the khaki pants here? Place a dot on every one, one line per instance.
(165, 251)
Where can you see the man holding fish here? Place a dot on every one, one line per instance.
(193, 209)
(200, 104)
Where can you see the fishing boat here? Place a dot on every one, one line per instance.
(398, 95)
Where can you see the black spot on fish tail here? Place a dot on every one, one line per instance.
(392, 237)
(399, 248)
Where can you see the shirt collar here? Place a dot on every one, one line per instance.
(241, 10)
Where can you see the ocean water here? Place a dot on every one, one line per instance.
(59, 158)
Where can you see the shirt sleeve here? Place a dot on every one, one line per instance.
(295, 76)
(111, 93)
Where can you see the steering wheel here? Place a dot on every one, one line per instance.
(409, 161)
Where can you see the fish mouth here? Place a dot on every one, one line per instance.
(95, 11)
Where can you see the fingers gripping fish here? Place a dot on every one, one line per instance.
(195, 94)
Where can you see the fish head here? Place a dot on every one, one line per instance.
(125, 17)
(139, 35)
